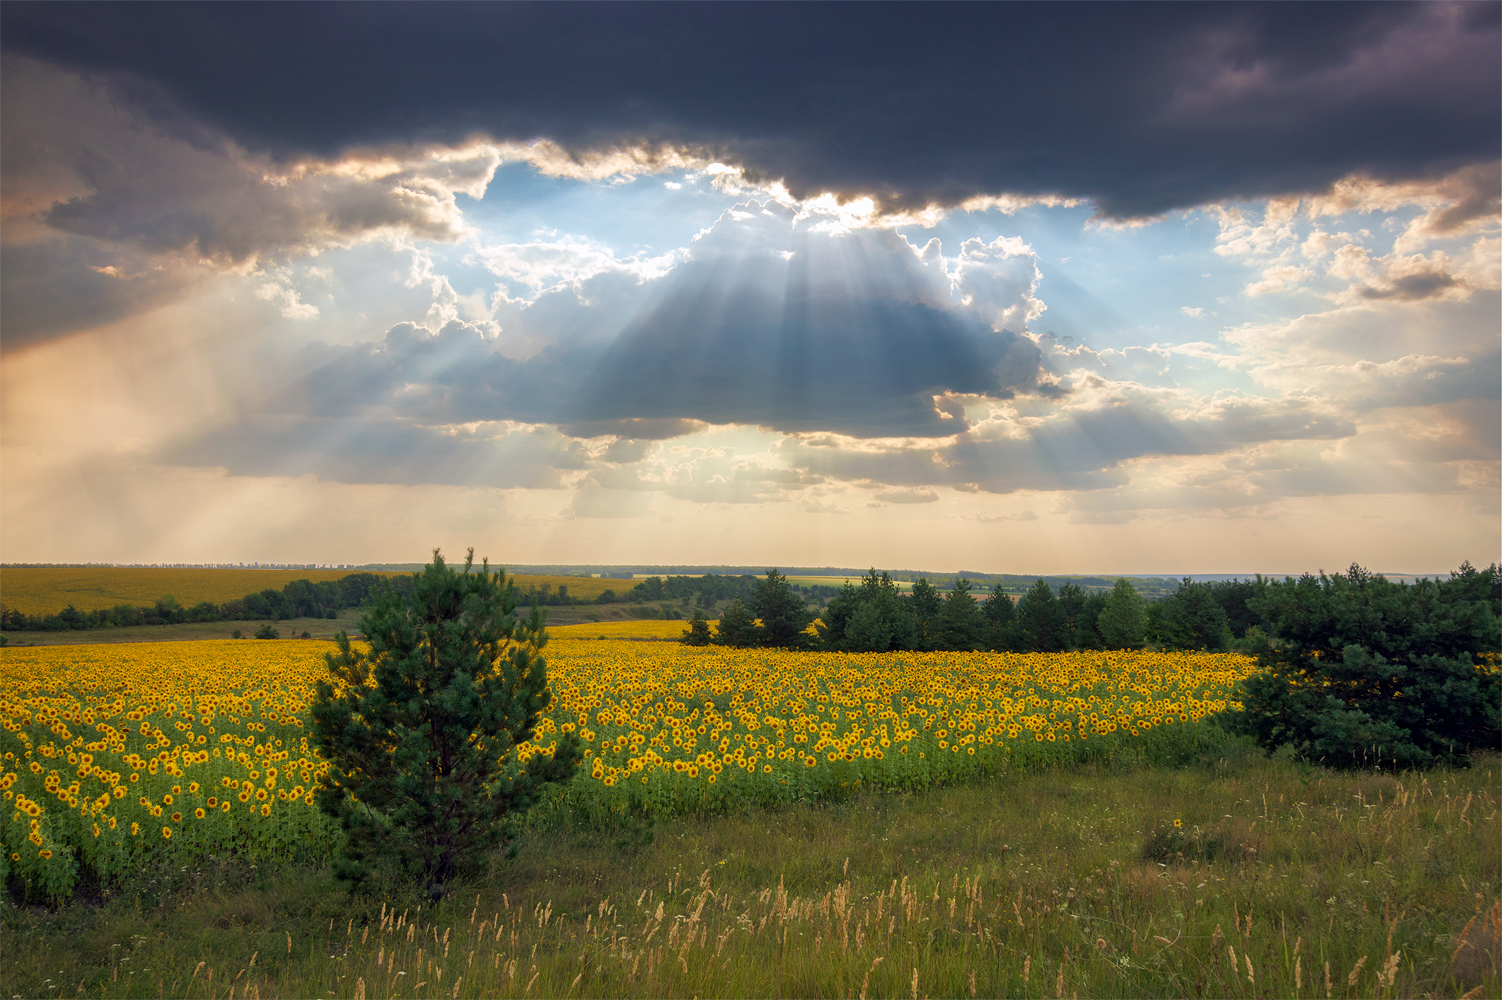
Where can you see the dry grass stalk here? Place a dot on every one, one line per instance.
(1478, 947)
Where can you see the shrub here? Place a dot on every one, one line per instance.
(737, 626)
(697, 633)
(268, 631)
(1358, 670)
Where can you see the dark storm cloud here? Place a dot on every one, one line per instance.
(60, 285)
(765, 348)
(634, 429)
(1141, 107)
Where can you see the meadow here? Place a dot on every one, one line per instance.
(747, 822)
(44, 590)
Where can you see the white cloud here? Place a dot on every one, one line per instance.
(529, 269)
(1403, 277)
(1240, 236)
(1000, 281)
(287, 301)
(983, 517)
(905, 496)
(1279, 278)
(1463, 202)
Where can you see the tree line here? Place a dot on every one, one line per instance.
(298, 599)
(874, 616)
(1357, 671)
(707, 591)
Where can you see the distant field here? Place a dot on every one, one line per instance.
(48, 590)
(651, 628)
(839, 581)
(587, 587)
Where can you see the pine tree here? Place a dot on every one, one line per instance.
(961, 624)
(1189, 618)
(697, 633)
(1122, 620)
(925, 605)
(1001, 623)
(783, 613)
(867, 631)
(1038, 617)
(737, 626)
(420, 731)
(1070, 610)
(1359, 671)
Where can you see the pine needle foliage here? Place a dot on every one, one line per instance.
(421, 730)
(1361, 671)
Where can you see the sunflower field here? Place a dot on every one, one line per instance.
(119, 757)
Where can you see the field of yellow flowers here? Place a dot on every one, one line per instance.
(122, 756)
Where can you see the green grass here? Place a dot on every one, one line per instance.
(1044, 883)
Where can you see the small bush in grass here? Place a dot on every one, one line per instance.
(268, 631)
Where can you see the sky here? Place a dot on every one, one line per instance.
(1014, 288)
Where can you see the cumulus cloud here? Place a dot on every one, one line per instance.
(770, 319)
(983, 517)
(1079, 448)
(118, 175)
(774, 323)
(1408, 278)
(905, 496)
(1280, 278)
(857, 332)
(287, 300)
(1295, 252)
(1455, 204)
(528, 269)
